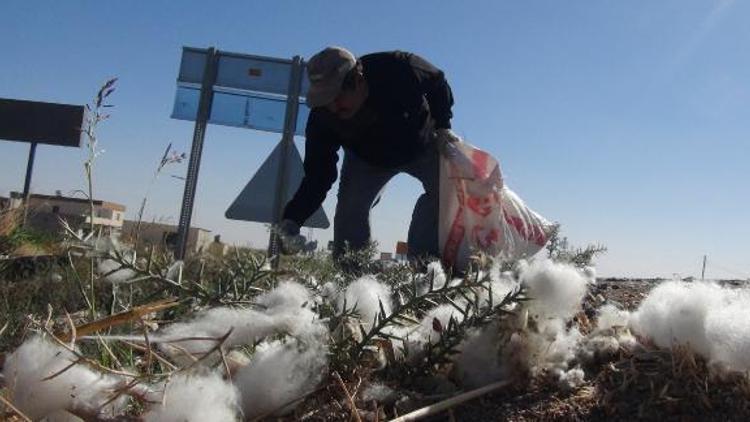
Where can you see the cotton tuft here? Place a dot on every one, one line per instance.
(278, 373)
(195, 398)
(281, 310)
(712, 320)
(557, 289)
(366, 294)
(78, 387)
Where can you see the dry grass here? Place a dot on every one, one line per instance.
(657, 383)
(10, 220)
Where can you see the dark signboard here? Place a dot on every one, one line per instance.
(44, 123)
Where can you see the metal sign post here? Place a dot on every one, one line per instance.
(201, 121)
(40, 123)
(251, 92)
(287, 142)
(29, 170)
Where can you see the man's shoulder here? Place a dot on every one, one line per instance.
(385, 57)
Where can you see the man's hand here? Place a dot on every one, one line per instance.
(445, 139)
(291, 241)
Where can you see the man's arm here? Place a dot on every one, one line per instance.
(435, 87)
(321, 155)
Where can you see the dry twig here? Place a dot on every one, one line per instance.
(451, 402)
(349, 397)
(15, 410)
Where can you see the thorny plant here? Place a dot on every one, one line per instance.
(203, 281)
(350, 350)
(474, 315)
(559, 250)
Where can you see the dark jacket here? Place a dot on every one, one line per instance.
(408, 99)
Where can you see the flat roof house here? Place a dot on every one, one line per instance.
(45, 212)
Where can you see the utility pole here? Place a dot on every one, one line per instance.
(703, 272)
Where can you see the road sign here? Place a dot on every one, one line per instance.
(40, 123)
(255, 201)
(249, 91)
(44, 123)
(242, 90)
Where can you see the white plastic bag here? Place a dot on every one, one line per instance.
(478, 213)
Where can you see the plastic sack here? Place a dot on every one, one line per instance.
(478, 213)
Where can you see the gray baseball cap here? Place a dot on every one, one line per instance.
(326, 71)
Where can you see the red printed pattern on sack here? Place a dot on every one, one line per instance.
(456, 233)
(479, 160)
(455, 237)
(486, 238)
(481, 205)
(532, 233)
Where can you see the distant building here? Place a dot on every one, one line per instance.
(402, 250)
(166, 235)
(386, 256)
(45, 212)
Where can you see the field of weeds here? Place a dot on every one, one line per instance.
(144, 337)
(95, 329)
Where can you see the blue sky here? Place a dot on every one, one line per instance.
(627, 122)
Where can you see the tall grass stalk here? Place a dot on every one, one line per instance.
(170, 157)
(95, 116)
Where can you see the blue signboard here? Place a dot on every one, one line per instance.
(249, 91)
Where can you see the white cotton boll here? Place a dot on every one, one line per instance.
(712, 320)
(563, 348)
(600, 345)
(278, 374)
(675, 313)
(501, 284)
(78, 387)
(366, 294)
(195, 398)
(283, 312)
(728, 333)
(329, 290)
(610, 316)
(288, 296)
(435, 276)
(62, 416)
(113, 271)
(478, 362)
(550, 346)
(248, 326)
(557, 290)
(442, 313)
(590, 274)
(189, 397)
(627, 340)
(571, 379)
(417, 336)
(377, 392)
